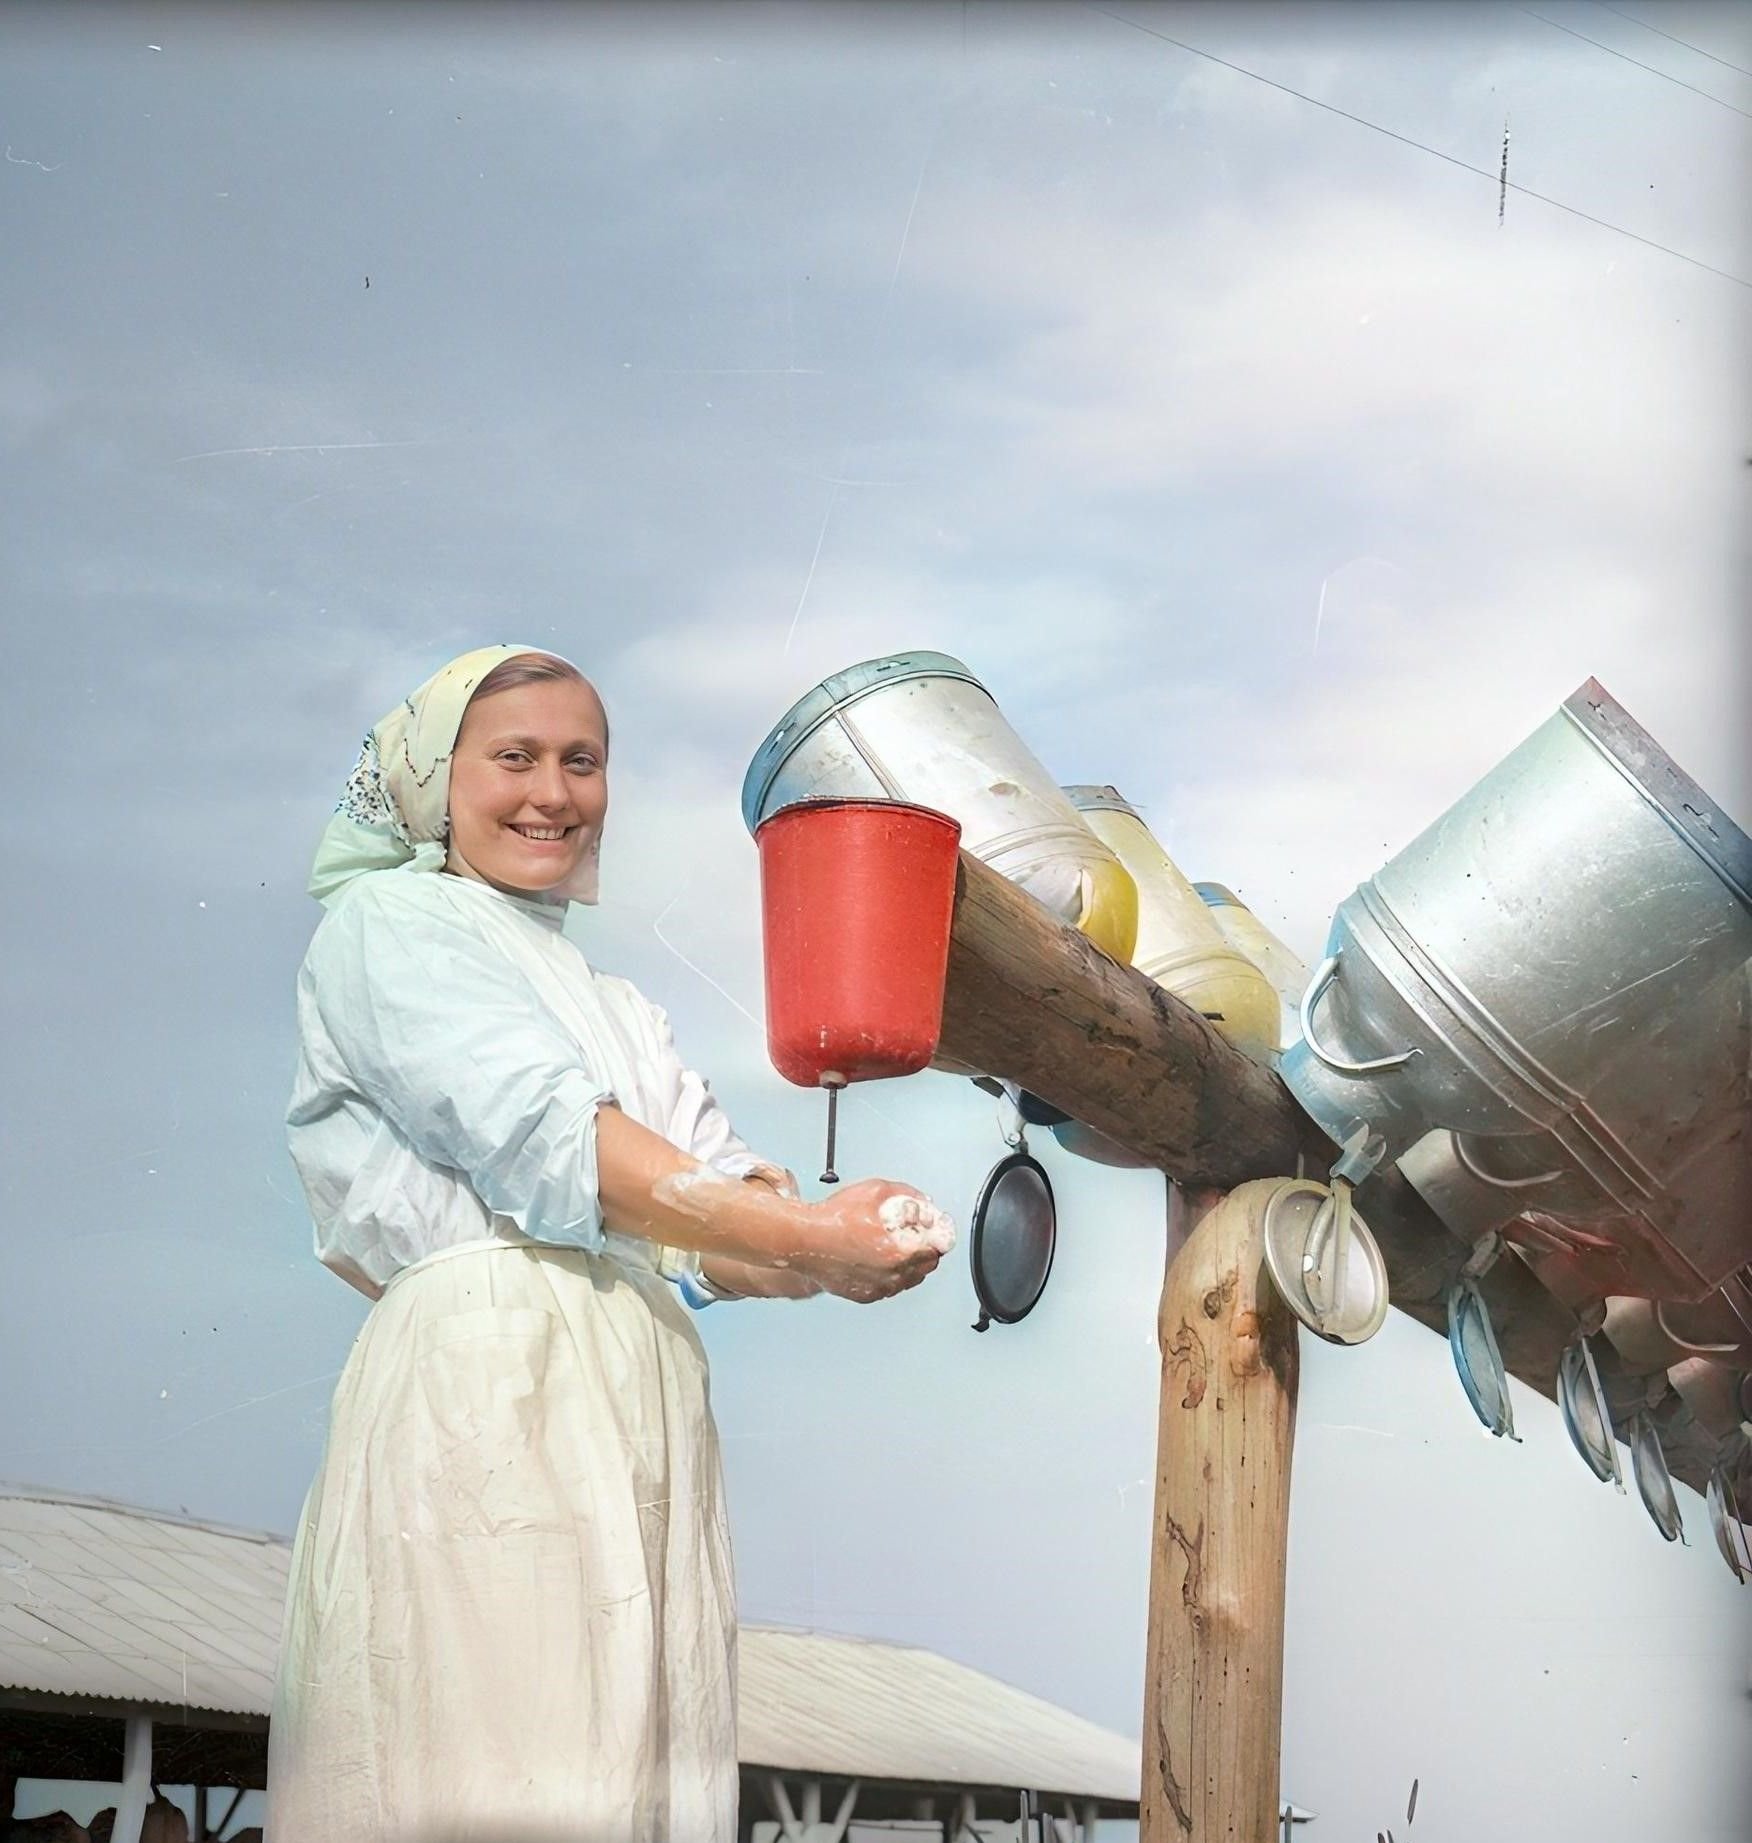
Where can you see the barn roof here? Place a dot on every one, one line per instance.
(107, 1601)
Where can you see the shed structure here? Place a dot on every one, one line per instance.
(138, 1647)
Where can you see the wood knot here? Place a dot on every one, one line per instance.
(1219, 1296)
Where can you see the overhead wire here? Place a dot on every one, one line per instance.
(1725, 64)
(1611, 51)
(1423, 147)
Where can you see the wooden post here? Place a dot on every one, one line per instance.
(1214, 1673)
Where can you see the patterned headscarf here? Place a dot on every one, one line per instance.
(395, 812)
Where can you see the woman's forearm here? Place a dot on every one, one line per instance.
(647, 1187)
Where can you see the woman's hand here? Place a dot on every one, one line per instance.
(872, 1240)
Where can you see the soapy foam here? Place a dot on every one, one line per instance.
(917, 1222)
(693, 1193)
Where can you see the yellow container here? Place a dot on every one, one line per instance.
(1110, 910)
(1245, 932)
(1179, 944)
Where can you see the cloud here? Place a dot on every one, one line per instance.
(1385, 347)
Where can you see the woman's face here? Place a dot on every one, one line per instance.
(529, 784)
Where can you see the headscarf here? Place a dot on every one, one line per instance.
(395, 812)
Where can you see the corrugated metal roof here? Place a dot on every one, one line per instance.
(882, 1711)
(105, 1600)
(100, 1599)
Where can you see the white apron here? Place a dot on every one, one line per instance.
(513, 1610)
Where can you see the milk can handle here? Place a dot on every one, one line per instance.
(1686, 1344)
(1463, 1159)
(1324, 975)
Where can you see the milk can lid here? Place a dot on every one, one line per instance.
(1585, 1413)
(1653, 1481)
(1727, 1522)
(1477, 1360)
(1302, 1257)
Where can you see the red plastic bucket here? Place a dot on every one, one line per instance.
(856, 902)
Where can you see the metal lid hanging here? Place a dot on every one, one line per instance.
(1653, 1481)
(1586, 1415)
(1728, 1525)
(1478, 1361)
(1323, 1261)
(1015, 1234)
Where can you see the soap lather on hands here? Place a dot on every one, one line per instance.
(915, 1221)
(869, 1241)
(879, 1238)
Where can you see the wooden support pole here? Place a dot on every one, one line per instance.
(1214, 1667)
(1034, 1002)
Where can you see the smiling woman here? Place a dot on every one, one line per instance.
(510, 1609)
(529, 778)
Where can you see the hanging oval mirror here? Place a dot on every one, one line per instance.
(1015, 1231)
(1477, 1359)
(1731, 1534)
(1323, 1261)
(1653, 1481)
(1586, 1415)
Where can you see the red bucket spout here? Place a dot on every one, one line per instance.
(856, 901)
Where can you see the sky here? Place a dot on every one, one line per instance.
(1214, 401)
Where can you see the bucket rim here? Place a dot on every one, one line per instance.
(1698, 819)
(1217, 896)
(1088, 797)
(830, 802)
(831, 694)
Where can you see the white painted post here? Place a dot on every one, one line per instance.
(789, 1827)
(841, 1822)
(136, 1780)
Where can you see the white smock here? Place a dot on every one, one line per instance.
(511, 1613)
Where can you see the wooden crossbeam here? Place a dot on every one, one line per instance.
(1034, 1002)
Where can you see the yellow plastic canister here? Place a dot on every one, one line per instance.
(1178, 943)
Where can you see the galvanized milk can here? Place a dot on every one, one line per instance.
(1575, 900)
(1179, 945)
(920, 727)
(1652, 1183)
